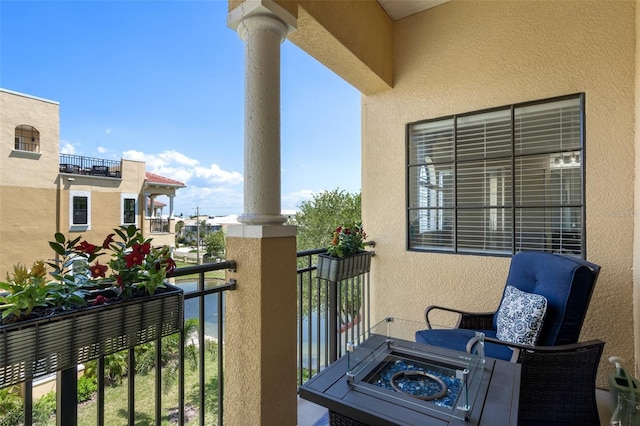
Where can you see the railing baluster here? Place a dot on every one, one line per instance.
(201, 319)
(131, 387)
(181, 420)
(100, 396)
(67, 397)
(221, 297)
(158, 370)
(28, 403)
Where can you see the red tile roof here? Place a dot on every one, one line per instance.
(153, 179)
(156, 203)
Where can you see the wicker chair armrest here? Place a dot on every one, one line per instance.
(467, 320)
(523, 353)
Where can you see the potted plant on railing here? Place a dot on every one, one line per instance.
(345, 257)
(93, 306)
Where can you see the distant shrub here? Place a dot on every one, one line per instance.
(87, 386)
(44, 407)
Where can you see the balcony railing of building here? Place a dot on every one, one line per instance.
(203, 303)
(330, 315)
(79, 165)
(320, 341)
(158, 225)
(23, 145)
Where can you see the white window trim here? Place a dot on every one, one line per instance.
(80, 226)
(123, 197)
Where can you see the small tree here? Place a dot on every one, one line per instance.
(316, 221)
(319, 217)
(179, 228)
(214, 243)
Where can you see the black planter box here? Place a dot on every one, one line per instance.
(341, 268)
(34, 348)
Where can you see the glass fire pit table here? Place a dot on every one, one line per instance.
(391, 379)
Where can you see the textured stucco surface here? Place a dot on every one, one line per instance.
(354, 39)
(465, 56)
(636, 215)
(260, 342)
(34, 197)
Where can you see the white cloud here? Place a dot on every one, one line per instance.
(209, 187)
(108, 131)
(133, 155)
(215, 174)
(175, 165)
(181, 174)
(293, 200)
(178, 157)
(67, 148)
(102, 150)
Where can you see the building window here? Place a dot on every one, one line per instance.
(27, 138)
(500, 181)
(129, 209)
(80, 210)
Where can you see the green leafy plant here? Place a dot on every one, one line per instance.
(10, 400)
(87, 386)
(134, 266)
(134, 263)
(347, 240)
(26, 290)
(44, 408)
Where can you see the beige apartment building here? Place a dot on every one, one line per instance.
(43, 192)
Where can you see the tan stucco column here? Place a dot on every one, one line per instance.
(260, 317)
(260, 327)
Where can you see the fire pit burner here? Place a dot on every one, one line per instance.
(409, 374)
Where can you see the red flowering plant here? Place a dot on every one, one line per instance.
(347, 240)
(81, 275)
(134, 266)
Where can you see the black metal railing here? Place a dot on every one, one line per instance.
(22, 145)
(158, 225)
(323, 333)
(200, 297)
(200, 294)
(330, 315)
(79, 165)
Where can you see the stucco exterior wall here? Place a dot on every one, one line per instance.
(636, 215)
(469, 55)
(106, 200)
(27, 180)
(41, 167)
(34, 196)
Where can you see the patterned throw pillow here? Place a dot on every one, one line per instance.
(520, 316)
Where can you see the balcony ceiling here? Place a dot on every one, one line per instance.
(398, 9)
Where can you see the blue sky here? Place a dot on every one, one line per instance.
(163, 82)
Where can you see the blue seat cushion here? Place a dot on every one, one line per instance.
(457, 339)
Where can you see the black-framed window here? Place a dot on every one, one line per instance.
(27, 138)
(499, 181)
(80, 210)
(129, 211)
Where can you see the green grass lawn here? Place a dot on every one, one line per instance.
(116, 400)
(216, 276)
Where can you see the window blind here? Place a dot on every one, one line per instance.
(499, 181)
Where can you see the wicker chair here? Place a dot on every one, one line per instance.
(558, 384)
(558, 376)
(567, 284)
